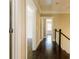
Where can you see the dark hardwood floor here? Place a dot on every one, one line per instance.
(49, 50)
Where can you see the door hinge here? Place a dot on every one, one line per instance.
(10, 30)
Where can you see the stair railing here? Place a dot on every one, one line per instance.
(60, 33)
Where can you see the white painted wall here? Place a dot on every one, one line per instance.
(31, 22)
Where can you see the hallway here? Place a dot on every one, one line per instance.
(48, 49)
(33, 25)
(42, 20)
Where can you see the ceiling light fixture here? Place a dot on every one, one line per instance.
(48, 2)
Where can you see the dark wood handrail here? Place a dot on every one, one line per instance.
(65, 36)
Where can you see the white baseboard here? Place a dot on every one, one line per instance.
(37, 45)
(39, 42)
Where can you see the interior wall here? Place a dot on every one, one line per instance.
(31, 22)
(62, 21)
(38, 25)
(44, 27)
(29, 30)
(38, 39)
(41, 29)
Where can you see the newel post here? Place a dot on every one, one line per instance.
(55, 35)
(59, 43)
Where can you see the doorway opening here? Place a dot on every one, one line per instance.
(49, 35)
(49, 32)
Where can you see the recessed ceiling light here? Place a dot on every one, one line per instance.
(48, 1)
(57, 3)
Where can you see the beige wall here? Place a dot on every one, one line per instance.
(62, 21)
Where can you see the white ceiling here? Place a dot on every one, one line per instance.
(54, 6)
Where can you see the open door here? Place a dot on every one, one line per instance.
(17, 29)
